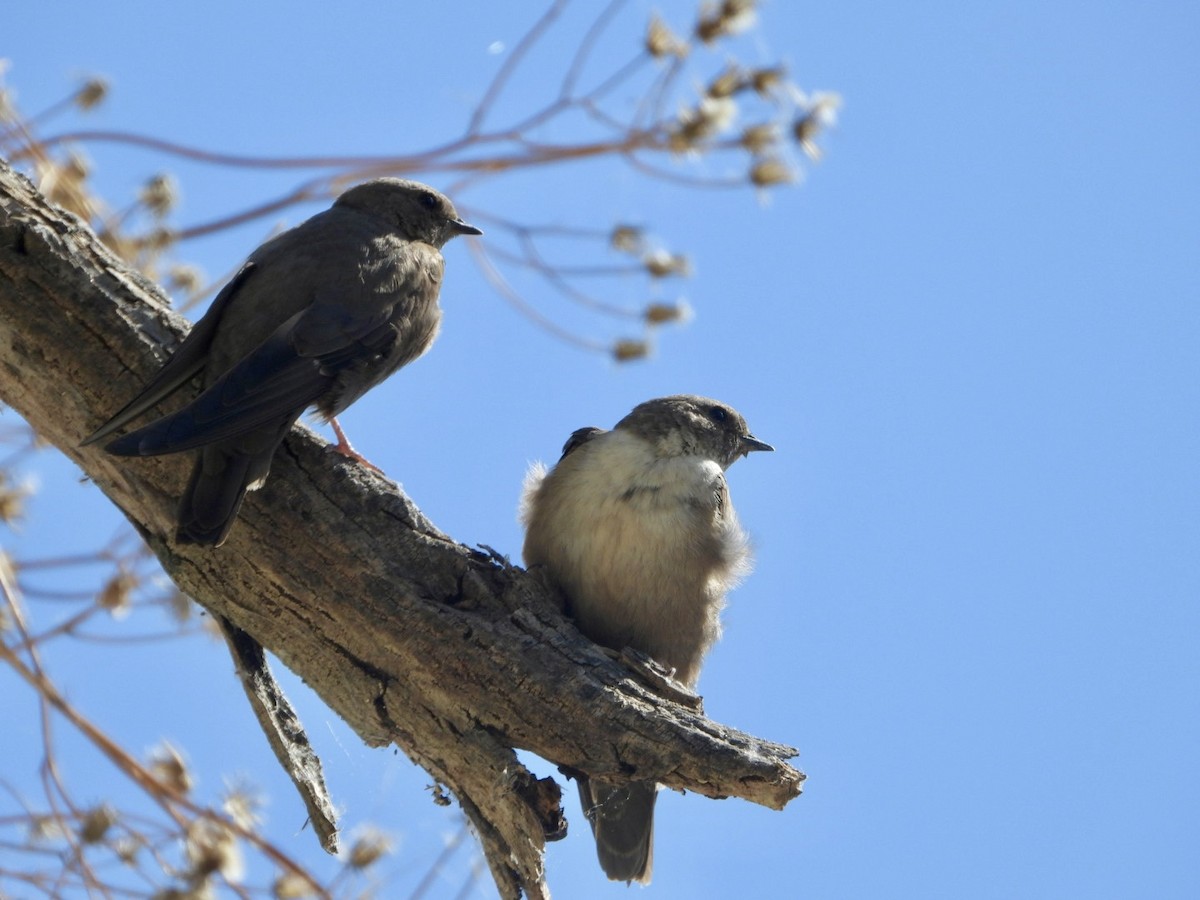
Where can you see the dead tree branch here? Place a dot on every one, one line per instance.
(411, 637)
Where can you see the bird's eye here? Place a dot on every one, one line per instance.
(718, 413)
(429, 201)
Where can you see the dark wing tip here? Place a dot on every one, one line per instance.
(579, 437)
(126, 445)
(125, 415)
(101, 432)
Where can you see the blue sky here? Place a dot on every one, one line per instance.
(971, 334)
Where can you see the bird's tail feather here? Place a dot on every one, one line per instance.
(219, 482)
(622, 820)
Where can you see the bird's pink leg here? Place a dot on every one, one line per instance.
(344, 447)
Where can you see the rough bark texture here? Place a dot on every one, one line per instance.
(411, 637)
(283, 731)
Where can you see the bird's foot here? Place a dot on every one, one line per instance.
(344, 447)
(657, 677)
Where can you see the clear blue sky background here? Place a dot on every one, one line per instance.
(972, 335)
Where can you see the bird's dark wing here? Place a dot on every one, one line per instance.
(579, 437)
(274, 382)
(399, 283)
(183, 364)
(329, 330)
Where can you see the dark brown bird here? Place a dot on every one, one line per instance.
(636, 527)
(317, 315)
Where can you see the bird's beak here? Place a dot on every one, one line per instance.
(461, 227)
(748, 443)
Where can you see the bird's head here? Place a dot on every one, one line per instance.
(415, 210)
(687, 425)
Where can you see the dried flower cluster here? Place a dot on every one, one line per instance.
(12, 498)
(718, 20)
(665, 144)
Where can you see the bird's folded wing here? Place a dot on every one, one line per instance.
(186, 362)
(269, 385)
(579, 437)
(339, 320)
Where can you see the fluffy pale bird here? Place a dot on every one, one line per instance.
(636, 528)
